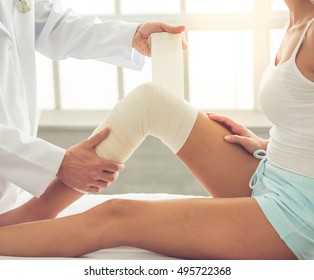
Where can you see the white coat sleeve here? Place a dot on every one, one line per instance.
(23, 162)
(61, 33)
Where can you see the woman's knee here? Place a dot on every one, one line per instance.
(138, 101)
(116, 209)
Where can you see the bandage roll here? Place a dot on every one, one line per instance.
(167, 63)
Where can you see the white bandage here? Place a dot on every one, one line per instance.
(146, 111)
(157, 109)
(167, 63)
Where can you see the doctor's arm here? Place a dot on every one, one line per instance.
(61, 33)
(49, 201)
(28, 162)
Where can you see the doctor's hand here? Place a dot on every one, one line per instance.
(82, 169)
(141, 40)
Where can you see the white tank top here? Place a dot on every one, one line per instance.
(287, 98)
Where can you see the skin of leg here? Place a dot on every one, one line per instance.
(201, 228)
(56, 198)
(223, 169)
(70, 236)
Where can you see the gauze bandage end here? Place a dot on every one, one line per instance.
(147, 110)
(167, 63)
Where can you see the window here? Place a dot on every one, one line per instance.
(278, 5)
(91, 6)
(222, 6)
(88, 87)
(230, 44)
(214, 64)
(150, 7)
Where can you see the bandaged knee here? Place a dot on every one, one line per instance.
(147, 110)
(157, 109)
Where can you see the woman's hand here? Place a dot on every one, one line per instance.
(242, 136)
(141, 40)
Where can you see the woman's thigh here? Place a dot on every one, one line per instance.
(202, 228)
(223, 169)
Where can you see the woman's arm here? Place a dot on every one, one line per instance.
(56, 198)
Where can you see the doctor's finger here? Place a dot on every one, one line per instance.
(96, 139)
(172, 28)
(101, 185)
(175, 30)
(97, 186)
(110, 166)
(108, 177)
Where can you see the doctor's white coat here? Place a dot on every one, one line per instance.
(25, 161)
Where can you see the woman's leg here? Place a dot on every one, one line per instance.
(202, 228)
(62, 237)
(223, 169)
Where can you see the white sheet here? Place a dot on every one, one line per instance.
(121, 253)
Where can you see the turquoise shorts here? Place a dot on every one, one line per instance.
(287, 200)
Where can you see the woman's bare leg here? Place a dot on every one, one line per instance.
(209, 228)
(222, 168)
(201, 228)
(62, 237)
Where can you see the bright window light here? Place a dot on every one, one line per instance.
(221, 76)
(276, 36)
(278, 5)
(87, 84)
(150, 6)
(133, 79)
(91, 6)
(220, 6)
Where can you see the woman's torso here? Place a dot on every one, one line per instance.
(287, 98)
